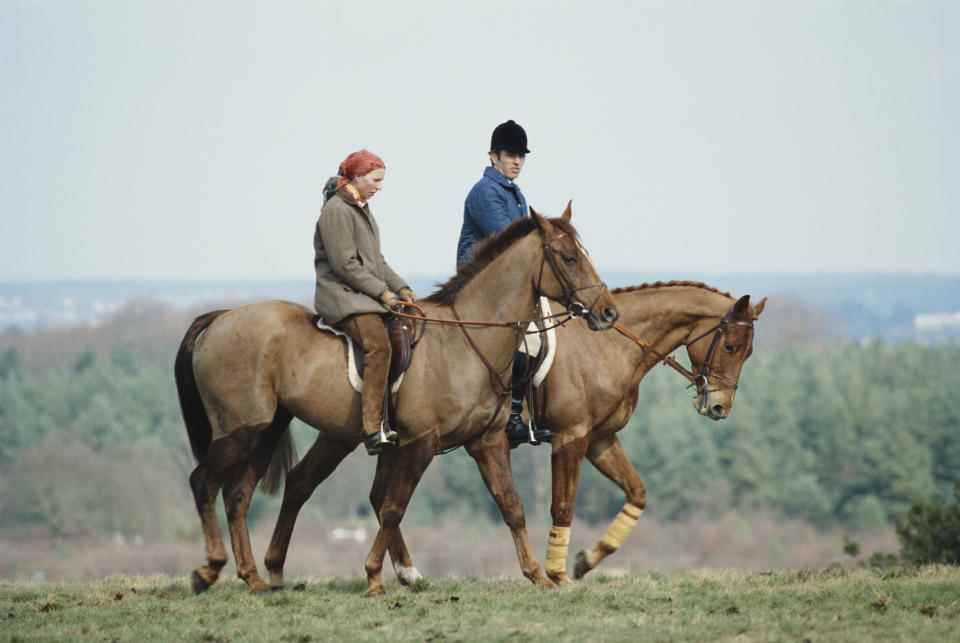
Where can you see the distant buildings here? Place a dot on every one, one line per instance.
(936, 322)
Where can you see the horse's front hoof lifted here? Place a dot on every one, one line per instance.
(581, 566)
(199, 585)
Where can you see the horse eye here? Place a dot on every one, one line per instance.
(730, 348)
(569, 260)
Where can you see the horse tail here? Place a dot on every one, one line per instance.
(284, 454)
(194, 415)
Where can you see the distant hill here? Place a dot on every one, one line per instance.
(849, 306)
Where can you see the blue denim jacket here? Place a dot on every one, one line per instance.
(494, 203)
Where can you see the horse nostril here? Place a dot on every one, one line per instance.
(609, 314)
(717, 410)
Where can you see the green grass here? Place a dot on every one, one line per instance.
(899, 604)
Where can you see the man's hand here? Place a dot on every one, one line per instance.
(389, 298)
(407, 295)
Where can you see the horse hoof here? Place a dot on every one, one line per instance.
(409, 576)
(259, 587)
(199, 585)
(581, 566)
(561, 581)
(544, 583)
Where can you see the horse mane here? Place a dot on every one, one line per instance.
(488, 250)
(671, 284)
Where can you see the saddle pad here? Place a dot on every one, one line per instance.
(551, 340)
(353, 374)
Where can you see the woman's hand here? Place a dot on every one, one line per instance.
(407, 295)
(389, 298)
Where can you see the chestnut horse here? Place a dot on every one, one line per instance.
(586, 409)
(585, 405)
(243, 374)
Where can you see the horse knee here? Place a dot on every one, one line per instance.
(512, 511)
(391, 514)
(562, 513)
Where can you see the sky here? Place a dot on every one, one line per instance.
(191, 140)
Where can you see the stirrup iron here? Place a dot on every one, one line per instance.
(377, 442)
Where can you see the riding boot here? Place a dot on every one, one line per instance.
(371, 334)
(518, 431)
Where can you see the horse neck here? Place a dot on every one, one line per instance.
(665, 317)
(502, 291)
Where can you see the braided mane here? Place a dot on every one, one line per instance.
(671, 284)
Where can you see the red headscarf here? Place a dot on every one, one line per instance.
(358, 164)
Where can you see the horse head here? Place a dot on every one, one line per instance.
(567, 273)
(717, 355)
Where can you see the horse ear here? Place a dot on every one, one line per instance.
(567, 212)
(759, 308)
(545, 225)
(741, 309)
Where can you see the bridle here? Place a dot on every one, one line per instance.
(573, 308)
(569, 299)
(698, 379)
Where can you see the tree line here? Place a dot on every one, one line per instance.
(92, 441)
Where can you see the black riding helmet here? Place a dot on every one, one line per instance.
(509, 137)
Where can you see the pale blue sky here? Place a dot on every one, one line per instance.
(192, 139)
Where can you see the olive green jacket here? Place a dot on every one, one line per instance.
(351, 270)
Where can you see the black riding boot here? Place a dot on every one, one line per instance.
(518, 431)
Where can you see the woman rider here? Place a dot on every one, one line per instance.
(355, 285)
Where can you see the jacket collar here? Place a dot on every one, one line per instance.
(349, 194)
(493, 174)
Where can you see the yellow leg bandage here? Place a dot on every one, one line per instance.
(621, 527)
(557, 549)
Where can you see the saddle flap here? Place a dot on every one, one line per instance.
(400, 331)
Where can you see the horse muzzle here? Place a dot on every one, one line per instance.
(713, 411)
(605, 320)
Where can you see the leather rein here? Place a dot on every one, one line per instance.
(698, 379)
(573, 308)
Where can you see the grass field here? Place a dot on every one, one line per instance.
(836, 604)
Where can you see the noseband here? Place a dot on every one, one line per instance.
(700, 379)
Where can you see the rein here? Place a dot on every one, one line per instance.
(699, 379)
(573, 308)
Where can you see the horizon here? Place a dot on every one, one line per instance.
(421, 276)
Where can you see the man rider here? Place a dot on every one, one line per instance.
(493, 203)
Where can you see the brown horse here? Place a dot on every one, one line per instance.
(243, 374)
(587, 409)
(586, 404)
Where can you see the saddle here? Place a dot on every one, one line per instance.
(402, 343)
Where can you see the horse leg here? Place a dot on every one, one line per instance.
(492, 455)
(565, 473)
(407, 574)
(205, 489)
(610, 460)
(407, 465)
(250, 450)
(302, 480)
